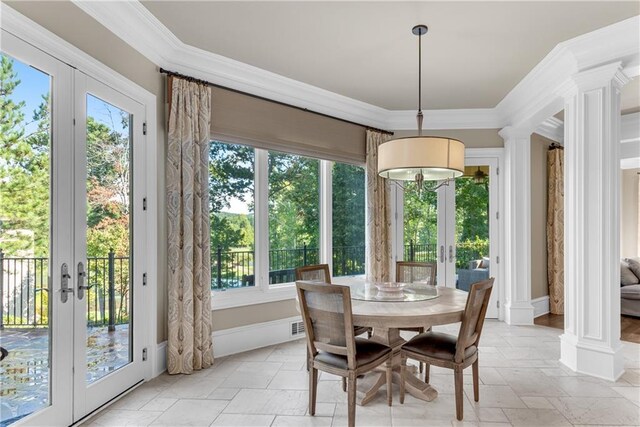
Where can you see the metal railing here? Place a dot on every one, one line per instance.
(465, 252)
(24, 291)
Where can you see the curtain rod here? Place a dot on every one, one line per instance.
(204, 82)
(554, 146)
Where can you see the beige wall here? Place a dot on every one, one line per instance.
(67, 21)
(539, 148)
(629, 213)
(472, 138)
(258, 313)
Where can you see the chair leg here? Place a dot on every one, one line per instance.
(344, 384)
(308, 359)
(403, 373)
(476, 387)
(457, 374)
(427, 369)
(351, 399)
(313, 389)
(389, 367)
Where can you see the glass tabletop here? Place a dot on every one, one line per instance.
(393, 292)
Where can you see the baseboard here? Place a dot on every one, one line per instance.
(161, 359)
(250, 337)
(540, 306)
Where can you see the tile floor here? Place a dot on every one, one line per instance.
(522, 384)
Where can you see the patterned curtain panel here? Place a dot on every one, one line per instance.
(378, 241)
(555, 229)
(189, 263)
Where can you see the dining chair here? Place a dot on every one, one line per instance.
(333, 346)
(320, 273)
(447, 351)
(417, 273)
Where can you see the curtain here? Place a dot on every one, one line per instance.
(189, 346)
(555, 229)
(378, 240)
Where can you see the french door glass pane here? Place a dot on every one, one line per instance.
(472, 226)
(294, 209)
(348, 219)
(420, 224)
(25, 230)
(231, 195)
(108, 185)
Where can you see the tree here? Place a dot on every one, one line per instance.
(24, 171)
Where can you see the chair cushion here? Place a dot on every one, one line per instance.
(436, 345)
(366, 351)
(627, 277)
(630, 292)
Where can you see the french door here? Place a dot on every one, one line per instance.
(71, 169)
(455, 226)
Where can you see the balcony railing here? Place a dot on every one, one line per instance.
(24, 291)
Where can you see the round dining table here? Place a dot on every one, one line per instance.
(387, 317)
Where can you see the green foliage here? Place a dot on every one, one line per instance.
(348, 205)
(294, 201)
(231, 231)
(420, 215)
(24, 171)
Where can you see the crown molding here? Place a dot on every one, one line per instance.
(535, 97)
(552, 129)
(528, 104)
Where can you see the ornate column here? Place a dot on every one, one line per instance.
(591, 340)
(518, 308)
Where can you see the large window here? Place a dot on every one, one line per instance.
(348, 204)
(266, 210)
(420, 224)
(231, 196)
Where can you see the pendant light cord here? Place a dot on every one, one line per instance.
(420, 117)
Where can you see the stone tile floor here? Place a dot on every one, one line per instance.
(522, 384)
(24, 373)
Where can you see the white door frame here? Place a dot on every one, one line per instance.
(61, 229)
(90, 397)
(446, 199)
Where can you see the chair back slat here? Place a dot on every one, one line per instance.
(326, 310)
(314, 273)
(416, 272)
(473, 317)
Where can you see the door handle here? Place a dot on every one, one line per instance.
(64, 290)
(451, 253)
(441, 253)
(81, 279)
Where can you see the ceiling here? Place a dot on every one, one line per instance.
(474, 53)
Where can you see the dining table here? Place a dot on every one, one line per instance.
(387, 310)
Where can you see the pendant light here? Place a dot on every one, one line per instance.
(479, 176)
(421, 158)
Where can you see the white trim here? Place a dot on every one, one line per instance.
(528, 102)
(252, 295)
(41, 38)
(630, 163)
(630, 128)
(250, 337)
(552, 129)
(540, 306)
(161, 360)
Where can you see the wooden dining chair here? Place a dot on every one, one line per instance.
(444, 350)
(333, 347)
(417, 273)
(320, 273)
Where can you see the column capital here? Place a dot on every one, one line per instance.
(594, 78)
(510, 132)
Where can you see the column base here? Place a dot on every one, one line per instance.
(519, 313)
(590, 358)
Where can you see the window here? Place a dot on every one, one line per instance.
(420, 224)
(348, 217)
(266, 210)
(231, 199)
(294, 209)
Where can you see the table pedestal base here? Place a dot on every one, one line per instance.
(369, 385)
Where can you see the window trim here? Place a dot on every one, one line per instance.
(262, 291)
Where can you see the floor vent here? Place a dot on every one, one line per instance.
(297, 328)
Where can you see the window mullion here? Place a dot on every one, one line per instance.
(262, 219)
(326, 217)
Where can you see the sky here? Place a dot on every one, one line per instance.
(35, 83)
